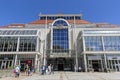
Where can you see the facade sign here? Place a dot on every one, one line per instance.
(94, 57)
(113, 57)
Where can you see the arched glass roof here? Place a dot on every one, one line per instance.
(60, 22)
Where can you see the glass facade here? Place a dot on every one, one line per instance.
(112, 43)
(28, 44)
(93, 43)
(60, 40)
(8, 44)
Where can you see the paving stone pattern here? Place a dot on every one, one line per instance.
(68, 76)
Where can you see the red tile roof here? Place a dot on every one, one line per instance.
(106, 25)
(50, 21)
(13, 25)
(23, 25)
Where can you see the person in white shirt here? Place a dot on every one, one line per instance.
(17, 70)
(49, 69)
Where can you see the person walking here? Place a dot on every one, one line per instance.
(29, 71)
(79, 69)
(52, 68)
(43, 69)
(17, 71)
(26, 69)
(49, 69)
(75, 68)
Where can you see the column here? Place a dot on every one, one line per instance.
(18, 43)
(2, 65)
(36, 58)
(44, 54)
(104, 55)
(111, 64)
(105, 62)
(102, 65)
(84, 55)
(16, 57)
(12, 64)
(8, 66)
(38, 64)
(118, 65)
(85, 62)
(37, 45)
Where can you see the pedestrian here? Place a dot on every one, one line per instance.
(79, 69)
(33, 69)
(75, 68)
(26, 69)
(14, 71)
(49, 69)
(29, 72)
(43, 69)
(52, 68)
(17, 70)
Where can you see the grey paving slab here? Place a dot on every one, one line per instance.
(69, 76)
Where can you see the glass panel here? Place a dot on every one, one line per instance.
(60, 40)
(28, 43)
(112, 43)
(93, 43)
(8, 44)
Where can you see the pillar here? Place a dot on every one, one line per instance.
(105, 62)
(36, 59)
(16, 57)
(85, 62)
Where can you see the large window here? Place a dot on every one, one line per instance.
(8, 44)
(60, 40)
(27, 43)
(93, 43)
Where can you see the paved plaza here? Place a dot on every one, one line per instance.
(69, 76)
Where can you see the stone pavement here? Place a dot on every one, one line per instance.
(70, 76)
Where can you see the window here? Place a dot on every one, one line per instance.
(8, 44)
(27, 43)
(112, 43)
(93, 43)
(60, 40)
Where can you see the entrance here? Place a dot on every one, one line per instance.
(23, 64)
(95, 65)
(60, 67)
(61, 64)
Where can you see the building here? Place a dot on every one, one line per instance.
(64, 40)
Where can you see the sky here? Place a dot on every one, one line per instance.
(25, 11)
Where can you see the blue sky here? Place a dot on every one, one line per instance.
(25, 11)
